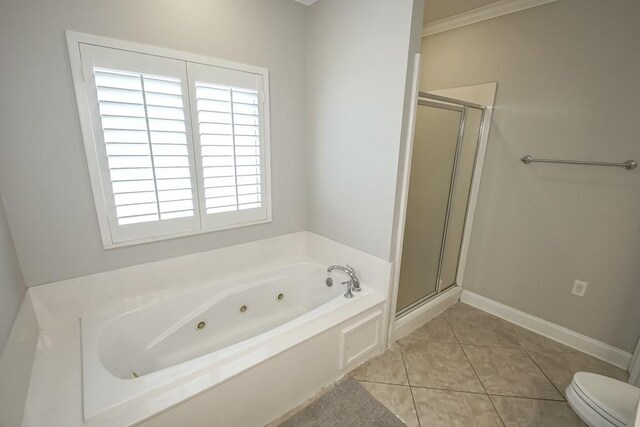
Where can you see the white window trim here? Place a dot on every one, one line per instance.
(74, 39)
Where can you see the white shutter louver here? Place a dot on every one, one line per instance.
(229, 130)
(174, 147)
(145, 136)
(229, 125)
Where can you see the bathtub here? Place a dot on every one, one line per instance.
(139, 361)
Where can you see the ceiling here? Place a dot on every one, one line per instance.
(436, 10)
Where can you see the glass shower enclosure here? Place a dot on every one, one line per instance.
(445, 145)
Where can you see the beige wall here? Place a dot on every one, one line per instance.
(568, 87)
(11, 285)
(44, 178)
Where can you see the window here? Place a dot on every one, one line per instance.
(176, 144)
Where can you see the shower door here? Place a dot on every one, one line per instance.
(442, 165)
(432, 165)
(460, 198)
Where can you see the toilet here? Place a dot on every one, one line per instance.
(603, 402)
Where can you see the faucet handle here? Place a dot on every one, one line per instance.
(349, 293)
(350, 289)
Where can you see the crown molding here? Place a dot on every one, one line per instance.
(483, 13)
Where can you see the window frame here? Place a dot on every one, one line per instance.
(92, 141)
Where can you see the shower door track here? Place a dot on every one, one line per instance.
(419, 303)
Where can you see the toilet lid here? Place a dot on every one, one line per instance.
(612, 397)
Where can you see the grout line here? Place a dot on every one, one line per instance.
(382, 382)
(496, 409)
(426, 340)
(523, 349)
(545, 374)
(450, 327)
(479, 393)
(473, 369)
(483, 387)
(462, 391)
(485, 393)
(517, 347)
(413, 399)
(527, 398)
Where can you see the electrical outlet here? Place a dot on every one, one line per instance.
(579, 288)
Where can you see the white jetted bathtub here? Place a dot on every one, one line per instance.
(167, 350)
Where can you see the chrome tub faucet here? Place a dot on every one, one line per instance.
(353, 284)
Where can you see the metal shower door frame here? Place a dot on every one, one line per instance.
(437, 101)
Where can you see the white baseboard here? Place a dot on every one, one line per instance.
(418, 317)
(558, 333)
(634, 367)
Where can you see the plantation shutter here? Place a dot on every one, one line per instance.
(176, 144)
(227, 106)
(141, 125)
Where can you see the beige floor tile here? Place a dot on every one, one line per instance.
(475, 327)
(535, 413)
(530, 341)
(396, 398)
(512, 363)
(439, 365)
(386, 368)
(560, 367)
(462, 310)
(437, 329)
(509, 372)
(439, 408)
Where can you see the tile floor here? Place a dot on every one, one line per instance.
(469, 368)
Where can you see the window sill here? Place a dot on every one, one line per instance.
(108, 245)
